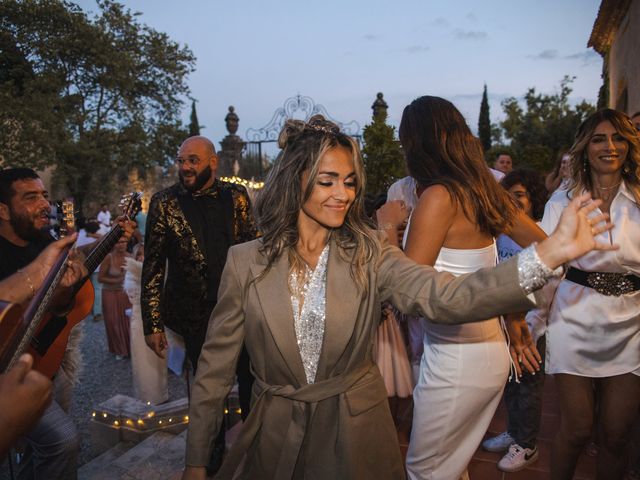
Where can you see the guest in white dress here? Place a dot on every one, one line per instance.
(593, 339)
(464, 367)
(149, 371)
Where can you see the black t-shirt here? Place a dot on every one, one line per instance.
(13, 257)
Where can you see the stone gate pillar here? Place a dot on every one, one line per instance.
(232, 145)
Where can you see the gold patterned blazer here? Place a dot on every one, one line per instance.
(174, 286)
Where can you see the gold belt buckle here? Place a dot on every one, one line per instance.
(610, 284)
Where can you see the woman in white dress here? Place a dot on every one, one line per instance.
(149, 371)
(593, 339)
(464, 367)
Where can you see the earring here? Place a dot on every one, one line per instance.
(585, 165)
(626, 169)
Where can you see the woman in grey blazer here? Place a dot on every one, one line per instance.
(305, 300)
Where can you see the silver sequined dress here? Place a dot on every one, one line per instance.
(309, 320)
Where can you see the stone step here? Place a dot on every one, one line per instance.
(159, 457)
(140, 454)
(164, 464)
(100, 467)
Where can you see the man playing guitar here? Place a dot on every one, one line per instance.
(24, 233)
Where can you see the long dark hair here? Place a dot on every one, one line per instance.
(440, 149)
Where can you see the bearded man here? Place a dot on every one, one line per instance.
(190, 227)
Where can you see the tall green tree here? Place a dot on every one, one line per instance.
(90, 96)
(544, 126)
(484, 121)
(194, 126)
(382, 154)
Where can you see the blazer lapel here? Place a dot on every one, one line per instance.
(273, 293)
(341, 310)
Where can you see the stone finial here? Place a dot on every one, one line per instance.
(379, 106)
(232, 121)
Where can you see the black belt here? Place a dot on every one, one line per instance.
(606, 283)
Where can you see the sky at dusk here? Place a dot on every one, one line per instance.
(254, 54)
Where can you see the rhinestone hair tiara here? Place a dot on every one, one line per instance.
(329, 129)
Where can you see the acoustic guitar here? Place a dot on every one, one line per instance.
(18, 326)
(47, 341)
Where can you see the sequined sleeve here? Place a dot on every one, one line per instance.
(532, 272)
(153, 270)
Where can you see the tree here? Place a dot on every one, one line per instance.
(382, 154)
(194, 126)
(484, 121)
(544, 127)
(94, 97)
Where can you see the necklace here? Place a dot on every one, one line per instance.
(611, 187)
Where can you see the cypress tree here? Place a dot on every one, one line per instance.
(194, 126)
(382, 155)
(484, 122)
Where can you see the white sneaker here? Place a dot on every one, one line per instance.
(498, 444)
(517, 458)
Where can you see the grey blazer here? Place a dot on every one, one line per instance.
(340, 426)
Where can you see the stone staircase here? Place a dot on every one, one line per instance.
(158, 457)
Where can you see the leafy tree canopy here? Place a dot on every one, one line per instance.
(543, 127)
(90, 96)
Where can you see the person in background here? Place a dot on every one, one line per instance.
(593, 335)
(192, 224)
(503, 163)
(115, 300)
(559, 176)
(149, 371)
(464, 367)
(523, 392)
(104, 219)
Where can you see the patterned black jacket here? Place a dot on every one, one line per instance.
(174, 285)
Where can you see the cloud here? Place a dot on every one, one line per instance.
(470, 34)
(471, 16)
(550, 54)
(588, 57)
(371, 36)
(417, 49)
(440, 22)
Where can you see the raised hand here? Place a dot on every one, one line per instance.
(575, 234)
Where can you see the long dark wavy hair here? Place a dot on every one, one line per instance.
(580, 169)
(278, 204)
(440, 149)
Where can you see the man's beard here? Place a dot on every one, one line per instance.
(24, 227)
(201, 179)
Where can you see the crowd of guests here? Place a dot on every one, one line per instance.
(303, 303)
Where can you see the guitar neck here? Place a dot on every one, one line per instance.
(105, 245)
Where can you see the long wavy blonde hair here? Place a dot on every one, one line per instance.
(279, 203)
(580, 169)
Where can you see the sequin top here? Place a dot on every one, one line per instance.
(309, 320)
